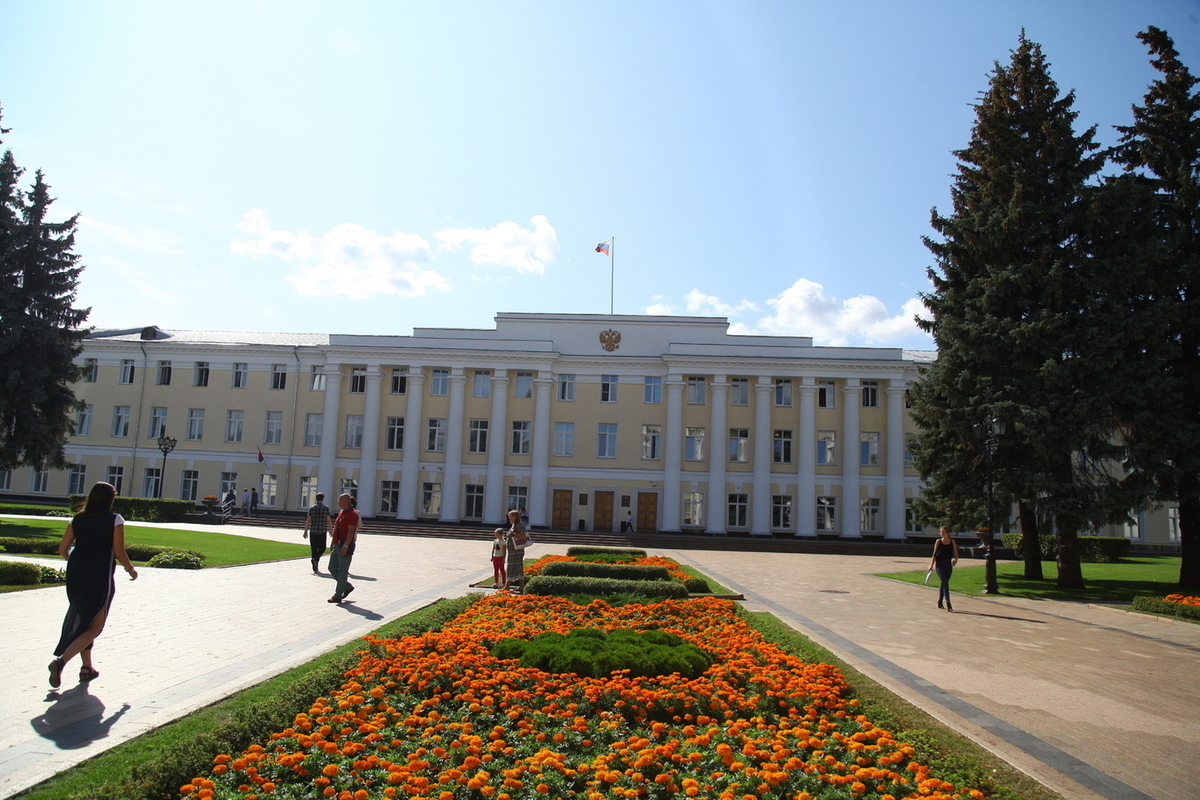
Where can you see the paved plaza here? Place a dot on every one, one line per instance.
(1093, 702)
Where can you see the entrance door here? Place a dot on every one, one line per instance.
(647, 512)
(560, 514)
(602, 512)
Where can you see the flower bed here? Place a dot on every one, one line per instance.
(436, 717)
(1183, 600)
(672, 566)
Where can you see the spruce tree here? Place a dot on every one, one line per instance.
(1018, 311)
(40, 331)
(1161, 154)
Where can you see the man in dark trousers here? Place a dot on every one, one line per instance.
(316, 528)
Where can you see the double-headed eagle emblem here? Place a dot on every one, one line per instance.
(610, 340)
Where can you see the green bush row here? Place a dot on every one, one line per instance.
(593, 653)
(562, 585)
(697, 585)
(145, 509)
(33, 511)
(38, 547)
(588, 550)
(25, 573)
(1092, 549)
(606, 558)
(621, 572)
(1151, 605)
(176, 559)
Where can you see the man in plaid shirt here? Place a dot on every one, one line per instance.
(317, 524)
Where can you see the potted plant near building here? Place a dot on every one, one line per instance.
(210, 503)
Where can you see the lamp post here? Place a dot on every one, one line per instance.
(166, 444)
(988, 433)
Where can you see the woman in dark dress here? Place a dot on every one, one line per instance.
(93, 542)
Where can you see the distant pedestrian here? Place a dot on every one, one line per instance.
(629, 522)
(230, 502)
(245, 502)
(525, 518)
(515, 540)
(254, 502)
(945, 557)
(499, 551)
(316, 527)
(345, 536)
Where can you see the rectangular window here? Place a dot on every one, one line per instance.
(826, 396)
(695, 391)
(827, 513)
(234, 421)
(477, 436)
(520, 439)
(394, 434)
(564, 438)
(115, 476)
(908, 450)
(358, 380)
(482, 385)
(435, 436)
(651, 442)
(868, 517)
(782, 447)
(693, 508)
(164, 374)
(273, 433)
(313, 425)
(399, 381)
(868, 449)
(83, 421)
(189, 484)
(826, 448)
(279, 376)
(440, 385)
(76, 479)
(911, 525)
(738, 508)
(608, 388)
(200, 374)
(607, 447)
(431, 499)
(389, 497)
(229, 483)
(158, 422)
(241, 375)
(781, 511)
(308, 491)
(473, 501)
(523, 385)
(739, 445)
(870, 394)
(518, 498)
(739, 391)
(6, 479)
(652, 392)
(151, 478)
(354, 431)
(195, 424)
(1173, 524)
(693, 444)
(316, 380)
(91, 370)
(566, 387)
(349, 486)
(783, 393)
(268, 489)
(120, 425)
(126, 374)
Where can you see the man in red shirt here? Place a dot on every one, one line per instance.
(345, 534)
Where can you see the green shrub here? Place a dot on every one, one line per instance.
(607, 558)
(146, 552)
(588, 550)
(51, 575)
(562, 585)
(1153, 605)
(20, 544)
(590, 652)
(697, 585)
(33, 511)
(176, 559)
(19, 573)
(624, 572)
(145, 509)
(1092, 549)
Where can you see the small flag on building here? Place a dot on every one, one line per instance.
(260, 455)
(603, 247)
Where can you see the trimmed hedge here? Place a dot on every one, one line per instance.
(606, 558)
(19, 573)
(176, 559)
(1092, 549)
(34, 511)
(37, 547)
(1164, 608)
(563, 585)
(621, 572)
(592, 653)
(146, 552)
(145, 509)
(588, 550)
(697, 585)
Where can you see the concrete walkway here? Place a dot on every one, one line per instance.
(1091, 702)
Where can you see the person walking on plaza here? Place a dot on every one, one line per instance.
(229, 504)
(629, 522)
(245, 502)
(92, 544)
(499, 551)
(945, 558)
(345, 535)
(316, 527)
(254, 502)
(516, 540)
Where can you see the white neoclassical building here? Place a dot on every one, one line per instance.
(580, 419)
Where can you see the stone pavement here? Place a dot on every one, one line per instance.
(1092, 702)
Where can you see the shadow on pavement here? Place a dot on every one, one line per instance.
(76, 719)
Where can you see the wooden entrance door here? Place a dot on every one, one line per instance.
(647, 512)
(602, 512)
(560, 513)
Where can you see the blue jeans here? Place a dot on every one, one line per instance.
(339, 568)
(944, 569)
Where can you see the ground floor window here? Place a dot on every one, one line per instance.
(76, 479)
(911, 525)
(41, 479)
(827, 513)
(693, 508)
(781, 511)
(308, 491)
(228, 484)
(389, 497)
(738, 510)
(518, 498)
(1172, 524)
(350, 487)
(473, 502)
(868, 517)
(431, 499)
(189, 484)
(5, 479)
(115, 476)
(150, 481)
(268, 489)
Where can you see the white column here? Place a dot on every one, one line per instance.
(494, 491)
(329, 432)
(410, 465)
(452, 475)
(894, 519)
(367, 477)
(718, 434)
(673, 458)
(806, 489)
(851, 503)
(539, 468)
(760, 503)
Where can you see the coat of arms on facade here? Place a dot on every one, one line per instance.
(610, 340)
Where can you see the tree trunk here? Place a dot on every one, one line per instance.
(1189, 540)
(1031, 544)
(1070, 572)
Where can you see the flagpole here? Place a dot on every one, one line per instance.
(612, 272)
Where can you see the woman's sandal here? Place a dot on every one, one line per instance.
(56, 668)
(87, 674)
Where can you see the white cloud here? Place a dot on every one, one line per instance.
(507, 244)
(349, 260)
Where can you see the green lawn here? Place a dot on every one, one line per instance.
(1136, 576)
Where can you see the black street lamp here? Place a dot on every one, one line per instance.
(988, 433)
(166, 444)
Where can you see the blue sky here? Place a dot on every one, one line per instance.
(368, 167)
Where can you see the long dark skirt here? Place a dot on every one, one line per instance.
(90, 584)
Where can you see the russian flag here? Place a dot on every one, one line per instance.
(603, 247)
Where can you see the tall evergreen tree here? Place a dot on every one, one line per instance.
(40, 330)
(1018, 315)
(1161, 153)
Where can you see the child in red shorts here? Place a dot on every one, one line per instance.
(499, 553)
